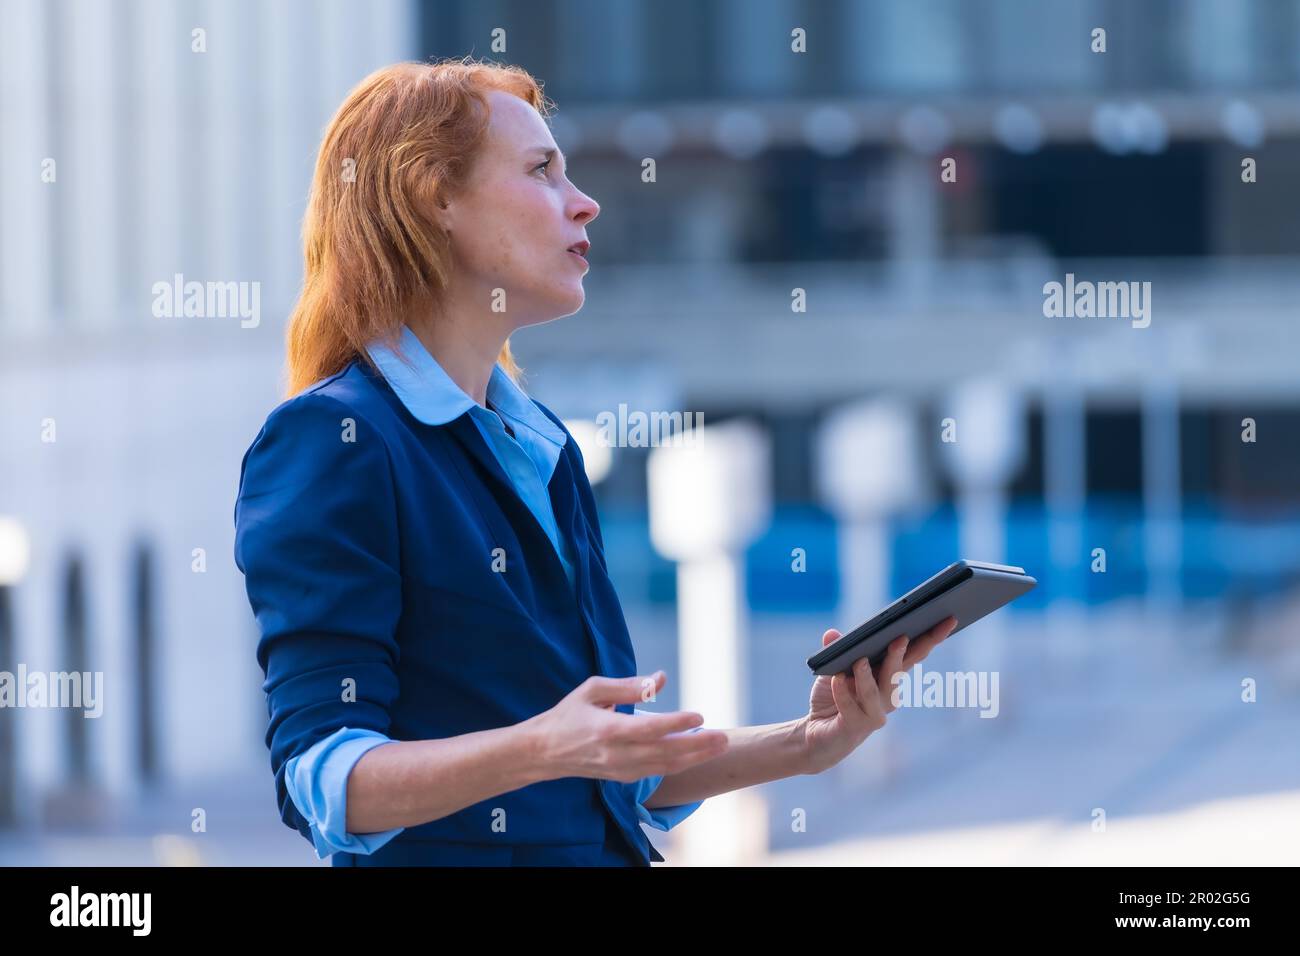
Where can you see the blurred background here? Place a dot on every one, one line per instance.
(837, 262)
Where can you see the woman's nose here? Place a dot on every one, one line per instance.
(586, 208)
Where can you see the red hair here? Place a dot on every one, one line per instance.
(404, 139)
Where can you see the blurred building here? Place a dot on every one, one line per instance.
(182, 138)
(137, 150)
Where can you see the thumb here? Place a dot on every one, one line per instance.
(830, 637)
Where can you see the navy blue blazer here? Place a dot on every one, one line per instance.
(367, 540)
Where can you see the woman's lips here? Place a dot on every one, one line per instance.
(580, 249)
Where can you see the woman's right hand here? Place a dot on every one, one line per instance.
(584, 736)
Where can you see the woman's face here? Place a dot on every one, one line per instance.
(514, 223)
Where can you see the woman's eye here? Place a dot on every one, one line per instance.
(542, 166)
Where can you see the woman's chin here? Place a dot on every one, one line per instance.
(572, 301)
(558, 307)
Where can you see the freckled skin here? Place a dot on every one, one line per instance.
(513, 223)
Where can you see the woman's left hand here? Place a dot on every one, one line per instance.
(844, 710)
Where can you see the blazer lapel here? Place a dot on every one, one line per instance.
(565, 504)
(467, 433)
(608, 631)
(471, 439)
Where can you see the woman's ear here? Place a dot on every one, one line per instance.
(439, 205)
(443, 213)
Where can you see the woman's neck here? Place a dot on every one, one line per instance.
(467, 359)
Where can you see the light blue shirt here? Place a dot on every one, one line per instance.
(317, 778)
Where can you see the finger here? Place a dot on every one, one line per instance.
(918, 650)
(868, 692)
(830, 637)
(846, 702)
(945, 627)
(893, 656)
(924, 644)
(647, 728)
(891, 665)
(625, 690)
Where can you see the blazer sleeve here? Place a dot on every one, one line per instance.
(661, 818)
(316, 537)
(318, 785)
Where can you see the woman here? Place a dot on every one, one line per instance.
(448, 672)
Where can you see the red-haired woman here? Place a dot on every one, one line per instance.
(449, 676)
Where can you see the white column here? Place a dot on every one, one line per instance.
(25, 228)
(295, 121)
(31, 394)
(231, 114)
(709, 499)
(869, 466)
(87, 171)
(191, 683)
(104, 510)
(162, 44)
(15, 558)
(395, 29)
(37, 735)
(345, 49)
(989, 450)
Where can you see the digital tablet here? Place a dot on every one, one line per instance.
(966, 590)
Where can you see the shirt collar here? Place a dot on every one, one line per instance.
(431, 395)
